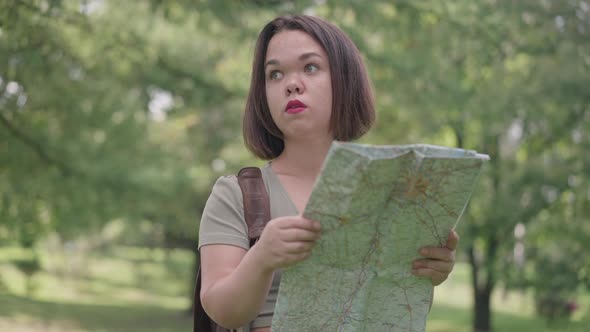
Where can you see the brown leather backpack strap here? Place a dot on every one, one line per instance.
(256, 201)
(257, 214)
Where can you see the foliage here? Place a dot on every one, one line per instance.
(84, 93)
(106, 119)
(505, 78)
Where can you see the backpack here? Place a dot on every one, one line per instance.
(257, 214)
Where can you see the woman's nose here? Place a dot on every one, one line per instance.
(294, 85)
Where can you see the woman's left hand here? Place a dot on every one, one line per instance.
(438, 262)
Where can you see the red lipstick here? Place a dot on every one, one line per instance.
(295, 106)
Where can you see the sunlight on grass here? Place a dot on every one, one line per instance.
(19, 313)
(512, 311)
(140, 289)
(456, 291)
(122, 289)
(119, 273)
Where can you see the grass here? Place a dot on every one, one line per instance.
(139, 289)
(512, 311)
(19, 313)
(122, 289)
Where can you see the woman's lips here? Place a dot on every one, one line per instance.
(295, 106)
(295, 110)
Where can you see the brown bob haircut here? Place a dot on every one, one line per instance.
(353, 110)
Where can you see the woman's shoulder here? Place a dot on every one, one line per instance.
(222, 220)
(226, 185)
(227, 179)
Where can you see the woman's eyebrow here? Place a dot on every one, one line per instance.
(308, 55)
(302, 57)
(271, 62)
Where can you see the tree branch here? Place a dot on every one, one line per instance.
(199, 81)
(68, 17)
(113, 183)
(37, 148)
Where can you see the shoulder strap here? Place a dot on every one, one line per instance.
(256, 201)
(257, 214)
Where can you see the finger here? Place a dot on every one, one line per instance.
(310, 224)
(452, 240)
(300, 222)
(299, 247)
(299, 234)
(435, 276)
(444, 253)
(290, 259)
(437, 265)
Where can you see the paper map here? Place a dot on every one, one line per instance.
(377, 206)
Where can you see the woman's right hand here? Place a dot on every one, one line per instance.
(286, 241)
(231, 272)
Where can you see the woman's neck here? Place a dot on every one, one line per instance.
(302, 159)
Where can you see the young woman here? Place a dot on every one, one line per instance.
(309, 87)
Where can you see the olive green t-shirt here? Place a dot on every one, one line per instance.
(223, 222)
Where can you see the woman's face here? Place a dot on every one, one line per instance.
(298, 85)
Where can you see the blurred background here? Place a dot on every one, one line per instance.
(116, 117)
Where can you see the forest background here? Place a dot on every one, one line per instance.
(116, 117)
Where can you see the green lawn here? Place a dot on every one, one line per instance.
(23, 314)
(137, 289)
(513, 311)
(123, 289)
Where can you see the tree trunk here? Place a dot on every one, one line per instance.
(482, 311)
(196, 264)
(483, 282)
(176, 241)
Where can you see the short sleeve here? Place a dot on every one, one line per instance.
(223, 221)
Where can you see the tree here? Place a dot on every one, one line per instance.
(105, 117)
(504, 78)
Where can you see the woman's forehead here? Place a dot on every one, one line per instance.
(292, 43)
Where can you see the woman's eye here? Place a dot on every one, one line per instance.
(311, 68)
(275, 75)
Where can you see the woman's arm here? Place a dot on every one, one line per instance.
(236, 282)
(234, 286)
